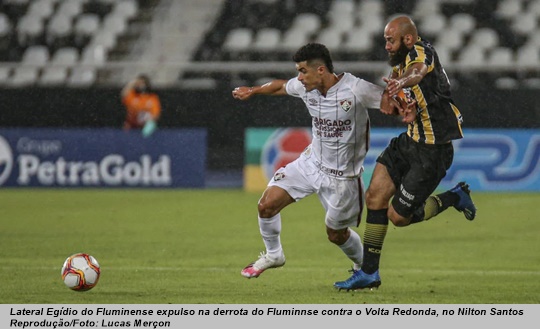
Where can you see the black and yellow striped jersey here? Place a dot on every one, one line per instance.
(438, 119)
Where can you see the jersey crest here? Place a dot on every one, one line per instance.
(345, 105)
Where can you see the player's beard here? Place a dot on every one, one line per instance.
(399, 55)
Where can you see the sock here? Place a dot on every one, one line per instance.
(353, 249)
(434, 205)
(447, 199)
(270, 229)
(374, 234)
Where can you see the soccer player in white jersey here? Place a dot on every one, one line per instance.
(331, 166)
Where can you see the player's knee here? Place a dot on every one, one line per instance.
(398, 220)
(338, 237)
(267, 210)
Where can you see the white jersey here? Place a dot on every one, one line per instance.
(340, 123)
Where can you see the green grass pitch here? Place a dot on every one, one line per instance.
(188, 247)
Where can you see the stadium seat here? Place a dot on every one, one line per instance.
(432, 25)
(42, 9)
(508, 9)
(341, 7)
(59, 31)
(501, 56)
(331, 37)
(450, 39)
(485, 38)
(293, 38)
(30, 31)
(528, 56)
(462, 22)
(358, 40)
(5, 24)
(306, 22)
(267, 39)
(425, 8)
(24, 76)
(373, 24)
(472, 55)
(115, 23)
(71, 8)
(506, 83)
(341, 23)
(5, 73)
(94, 55)
(6, 32)
(105, 38)
(525, 23)
(341, 15)
(53, 76)
(238, 39)
(126, 8)
(66, 56)
(445, 55)
(531, 83)
(86, 25)
(36, 56)
(373, 7)
(81, 77)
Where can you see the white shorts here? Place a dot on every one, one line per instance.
(342, 198)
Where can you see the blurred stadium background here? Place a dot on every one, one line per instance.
(63, 62)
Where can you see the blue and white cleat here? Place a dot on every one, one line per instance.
(360, 280)
(465, 203)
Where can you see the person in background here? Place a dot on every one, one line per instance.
(143, 106)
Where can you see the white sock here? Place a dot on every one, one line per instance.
(270, 230)
(354, 249)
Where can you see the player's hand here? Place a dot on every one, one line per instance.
(406, 109)
(242, 93)
(389, 105)
(393, 86)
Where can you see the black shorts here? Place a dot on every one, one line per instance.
(416, 169)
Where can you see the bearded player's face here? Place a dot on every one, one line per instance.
(398, 56)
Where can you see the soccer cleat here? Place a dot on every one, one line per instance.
(360, 280)
(264, 262)
(465, 203)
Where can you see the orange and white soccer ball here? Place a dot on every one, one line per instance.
(81, 272)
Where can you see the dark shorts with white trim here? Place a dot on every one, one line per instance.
(416, 170)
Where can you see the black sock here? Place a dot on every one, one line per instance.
(446, 199)
(374, 234)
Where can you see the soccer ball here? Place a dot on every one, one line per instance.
(80, 272)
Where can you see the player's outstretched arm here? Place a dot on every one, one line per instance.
(274, 87)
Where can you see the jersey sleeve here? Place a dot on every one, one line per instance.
(419, 54)
(369, 93)
(295, 88)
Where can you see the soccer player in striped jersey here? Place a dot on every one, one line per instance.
(331, 166)
(409, 170)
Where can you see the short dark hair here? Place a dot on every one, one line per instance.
(314, 51)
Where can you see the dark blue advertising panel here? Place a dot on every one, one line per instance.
(502, 160)
(169, 158)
